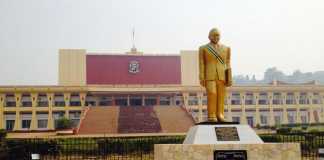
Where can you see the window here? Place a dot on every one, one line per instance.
(290, 98)
(59, 100)
(42, 100)
(150, 100)
(316, 98)
(136, 100)
(277, 99)
(236, 99)
(264, 119)
(249, 99)
(263, 98)
(26, 100)
(291, 118)
(10, 100)
(42, 123)
(277, 120)
(303, 99)
(25, 124)
(236, 119)
(107, 101)
(250, 121)
(74, 116)
(165, 100)
(75, 100)
(304, 119)
(10, 125)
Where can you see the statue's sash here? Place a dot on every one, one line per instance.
(215, 53)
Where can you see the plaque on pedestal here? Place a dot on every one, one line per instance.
(222, 134)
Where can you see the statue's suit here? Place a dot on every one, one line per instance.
(214, 74)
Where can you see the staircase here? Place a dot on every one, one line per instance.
(138, 120)
(174, 119)
(135, 119)
(100, 120)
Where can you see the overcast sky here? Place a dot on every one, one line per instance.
(288, 34)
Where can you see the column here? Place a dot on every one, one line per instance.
(285, 114)
(257, 109)
(34, 98)
(83, 96)
(33, 123)
(271, 116)
(143, 100)
(2, 98)
(17, 121)
(67, 97)
(311, 107)
(229, 109)
(18, 99)
(298, 118)
(50, 122)
(186, 99)
(321, 116)
(158, 97)
(113, 102)
(200, 105)
(128, 100)
(243, 114)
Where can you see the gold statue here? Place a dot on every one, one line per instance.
(215, 74)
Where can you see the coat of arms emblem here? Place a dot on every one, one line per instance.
(133, 67)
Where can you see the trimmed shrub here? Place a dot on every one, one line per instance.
(283, 130)
(64, 123)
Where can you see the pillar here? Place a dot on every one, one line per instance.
(271, 116)
(34, 99)
(18, 99)
(17, 121)
(158, 100)
(298, 118)
(243, 114)
(285, 113)
(50, 122)
(113, 102)
(321, 116)
(67, 97)
(257, 109)
(2, 99)
(128, 100)
(143, 100)
(33, 123)
(200, 106)
(185, 99)
(311, 108)
(83, 96)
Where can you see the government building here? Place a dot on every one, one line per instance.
(137, 93)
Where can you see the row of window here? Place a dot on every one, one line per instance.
(234, 99)
(42, 120)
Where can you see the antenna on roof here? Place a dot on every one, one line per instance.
(133, 50)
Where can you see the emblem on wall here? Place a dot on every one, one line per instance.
(133, 67)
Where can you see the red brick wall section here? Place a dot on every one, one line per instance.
(113, 69)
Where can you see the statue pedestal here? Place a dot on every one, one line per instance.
(219, 141)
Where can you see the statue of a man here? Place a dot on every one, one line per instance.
(215, 74)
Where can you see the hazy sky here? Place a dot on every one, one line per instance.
(288, 34)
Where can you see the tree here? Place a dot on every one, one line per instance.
(64, 123)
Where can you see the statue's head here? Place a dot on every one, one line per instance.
(214, 35)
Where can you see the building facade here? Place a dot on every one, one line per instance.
(135, 79)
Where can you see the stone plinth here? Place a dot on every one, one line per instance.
(265, 151)
(206, 134)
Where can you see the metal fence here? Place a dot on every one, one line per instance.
(310, 143)
(110, 148)
(134, 148)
